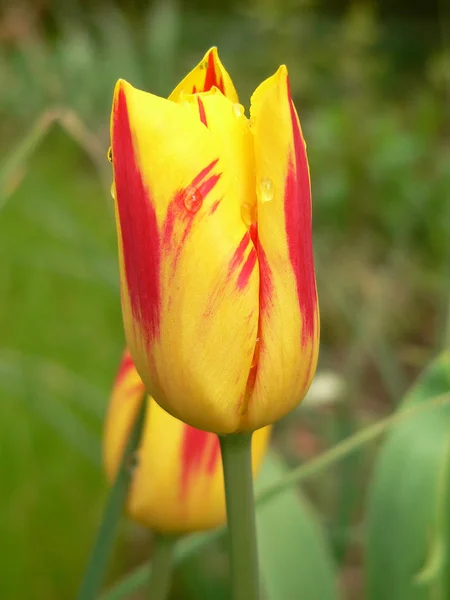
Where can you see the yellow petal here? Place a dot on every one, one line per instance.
(231, 131)
(208, 73)
(189, 279)
(289, 315)
(126, 398)
(177, 483)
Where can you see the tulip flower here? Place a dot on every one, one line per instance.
(177, 482)
(213, 213)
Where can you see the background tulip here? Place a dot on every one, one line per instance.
(177, 482)
(214, 228)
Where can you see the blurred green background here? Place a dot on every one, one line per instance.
(371, 83)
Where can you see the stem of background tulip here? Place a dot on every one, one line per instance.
(237, 469)
(162, 567)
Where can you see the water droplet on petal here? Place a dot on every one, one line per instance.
(238, 110)
(109, 155)
(113, 191)
(266, 189)
(192, 199)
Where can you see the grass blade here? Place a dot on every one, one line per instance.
(101, 552)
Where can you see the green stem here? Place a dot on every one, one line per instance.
(237, 470)
(162, 567)
(106, 535)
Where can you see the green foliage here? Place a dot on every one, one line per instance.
(302, 565)
(56, 302)
(408, 535)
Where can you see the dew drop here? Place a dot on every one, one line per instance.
(192, 199)
(266, 189)
(238, 110)
(109, 155)
(113, 191)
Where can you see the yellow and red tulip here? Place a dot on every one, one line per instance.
(213, 215)
(177, 483)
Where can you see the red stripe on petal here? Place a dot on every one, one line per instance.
(184, 209)
(138, 225)
(202, 190)
(195, 447)
(265, 303)
(214, 456)
(211, 78)
(235, 262)
(265, 275)
(214, 207)
(247, 269)
(238, 255)
(125, 367)
(204, 172)
(206, 187)
(297, 210)
(265, 281)
(201, 110)
(177, 208)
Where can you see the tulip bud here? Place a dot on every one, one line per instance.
(213, 215)
(177, 478)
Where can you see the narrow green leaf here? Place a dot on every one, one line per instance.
(101, 552)
(294, 559)
(407, 542)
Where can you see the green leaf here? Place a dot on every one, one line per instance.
(294, 559)
(101, 551)
(408, 499)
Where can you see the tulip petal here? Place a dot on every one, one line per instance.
(200, 450)
(209, 73)
(189, 281)
(289, 315)
(227, 123)
(177, 483)
(126, 398)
